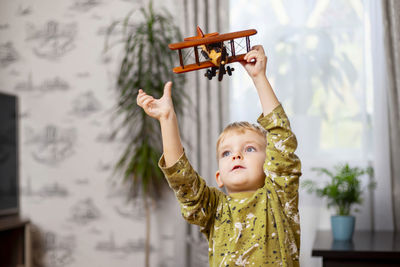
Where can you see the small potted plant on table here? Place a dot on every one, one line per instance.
(342, 192)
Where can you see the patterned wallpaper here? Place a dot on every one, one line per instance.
(51, 56)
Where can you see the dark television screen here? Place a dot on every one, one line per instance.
(8, 155)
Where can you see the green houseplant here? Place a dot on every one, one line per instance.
(342, 192)
(146, 64)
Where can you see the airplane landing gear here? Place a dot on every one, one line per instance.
(210, 73)
(229, 70)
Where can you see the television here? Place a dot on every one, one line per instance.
(9, 176)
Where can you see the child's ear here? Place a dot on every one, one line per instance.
(219, 180)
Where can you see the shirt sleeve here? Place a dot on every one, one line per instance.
(282, 167)
(198, 202)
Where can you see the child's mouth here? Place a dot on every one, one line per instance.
(236, 167)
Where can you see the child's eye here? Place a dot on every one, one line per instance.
(250, 149)
(226, 153)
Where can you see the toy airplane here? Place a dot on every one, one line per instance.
(215, 52)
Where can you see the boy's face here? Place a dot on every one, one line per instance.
(241, 157)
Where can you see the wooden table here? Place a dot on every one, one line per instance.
(367, 249)
(15, 249)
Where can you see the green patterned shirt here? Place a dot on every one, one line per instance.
(248, 229)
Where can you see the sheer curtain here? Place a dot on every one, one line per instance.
(391, 18)
(204, 118)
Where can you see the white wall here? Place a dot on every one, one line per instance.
(51, 56)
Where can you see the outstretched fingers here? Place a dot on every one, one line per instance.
(143, 99)
(153, 107)
(147, 101)
(167, 89)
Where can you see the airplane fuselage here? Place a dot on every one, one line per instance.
(214, 53)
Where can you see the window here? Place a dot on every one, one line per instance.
(319, 67)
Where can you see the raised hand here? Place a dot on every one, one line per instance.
(255, 61)
(157, 108)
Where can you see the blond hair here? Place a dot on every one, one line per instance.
(241, 127)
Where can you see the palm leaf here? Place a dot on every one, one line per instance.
(147, 63)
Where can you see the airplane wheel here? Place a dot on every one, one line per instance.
(214, 71)
(229, 70)
(208, 74)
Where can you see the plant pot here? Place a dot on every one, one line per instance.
(342, 227)
(344, 245)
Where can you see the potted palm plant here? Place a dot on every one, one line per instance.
(146, 64)
(342, 192)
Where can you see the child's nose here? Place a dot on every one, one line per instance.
(237, 156)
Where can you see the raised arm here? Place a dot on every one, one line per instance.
(282, 166)
(163, 110)
(256, 64)
(198, 201)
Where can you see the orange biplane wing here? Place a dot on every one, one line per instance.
(217, 50)
(205, 64)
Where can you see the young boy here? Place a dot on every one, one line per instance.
(257, 223)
